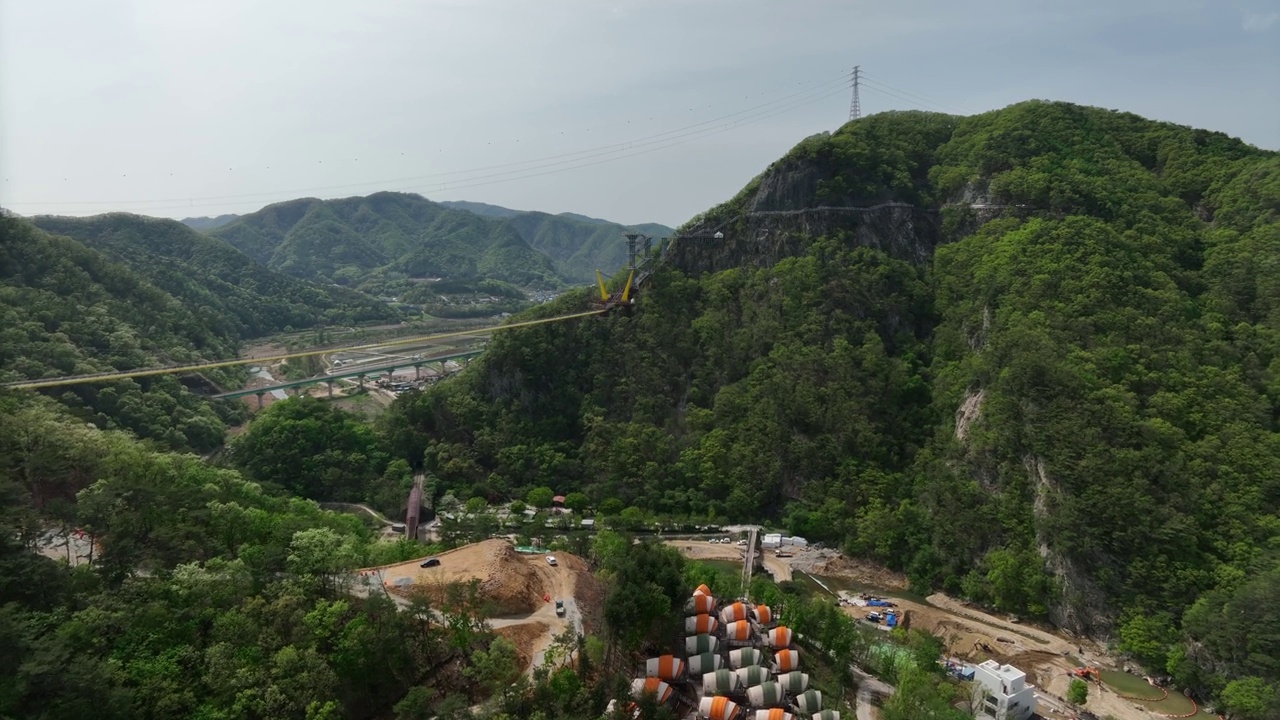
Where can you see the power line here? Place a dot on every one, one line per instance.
(918, 95)
(855, 105)
(561, 157)
(907, 96)
(109, 376)
(904, 99)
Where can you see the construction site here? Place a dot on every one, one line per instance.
(526, 599)
(971, 636)
(733, 661)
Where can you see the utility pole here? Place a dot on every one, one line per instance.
(855, 106)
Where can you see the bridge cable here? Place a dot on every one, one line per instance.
(149, 372)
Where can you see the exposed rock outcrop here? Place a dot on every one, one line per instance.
(969, 411)
(784, 215)
(1080, 606)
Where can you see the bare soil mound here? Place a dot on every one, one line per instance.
(508, 581)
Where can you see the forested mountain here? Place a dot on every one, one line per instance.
(1030, 356)
(578, 244)
(366, 241)
(207, 597)
(208, 223)
(120, 292)
(580, 247)
(66, 309)
(232, 295)
(482, 209)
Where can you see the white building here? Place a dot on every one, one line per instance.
(1005, 692)
(771, 541)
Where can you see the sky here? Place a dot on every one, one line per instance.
(630, 110)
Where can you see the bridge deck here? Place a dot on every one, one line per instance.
(374, 371)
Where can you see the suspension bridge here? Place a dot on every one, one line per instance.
(101, 377)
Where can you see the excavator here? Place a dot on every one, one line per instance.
(620, 299)
(1088, 673)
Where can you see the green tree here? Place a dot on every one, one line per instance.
(1148, 639)
(1078, 692)
(540, 497)
(496, 667)
(418, 704)
(920, 695)
(576, 502)
(311, 448)
(1250, 698)
(646, 585)
(323, 554)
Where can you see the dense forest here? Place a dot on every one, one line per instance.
(236, 296)
(213, 596)
(121, 292)
(577, 244)
(1055, 391)
(210, 597)
(381, 242)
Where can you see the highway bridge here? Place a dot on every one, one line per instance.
(361, 372)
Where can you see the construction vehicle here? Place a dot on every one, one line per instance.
(1088, 673)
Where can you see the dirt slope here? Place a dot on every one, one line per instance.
(522, 590)
(515, 584)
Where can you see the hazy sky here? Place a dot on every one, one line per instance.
(182, 108)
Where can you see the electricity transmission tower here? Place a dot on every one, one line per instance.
(855, 105)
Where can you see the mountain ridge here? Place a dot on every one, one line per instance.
(1028, 357)
(206, 223)
(207, 272)
(68, 309)
(377, 241)
(384, 235)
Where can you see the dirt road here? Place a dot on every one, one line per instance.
(779, 568)
(558, 583)
(525, 586)
(703, 550)
(866, 710)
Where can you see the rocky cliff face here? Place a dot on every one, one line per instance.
(784, 214)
